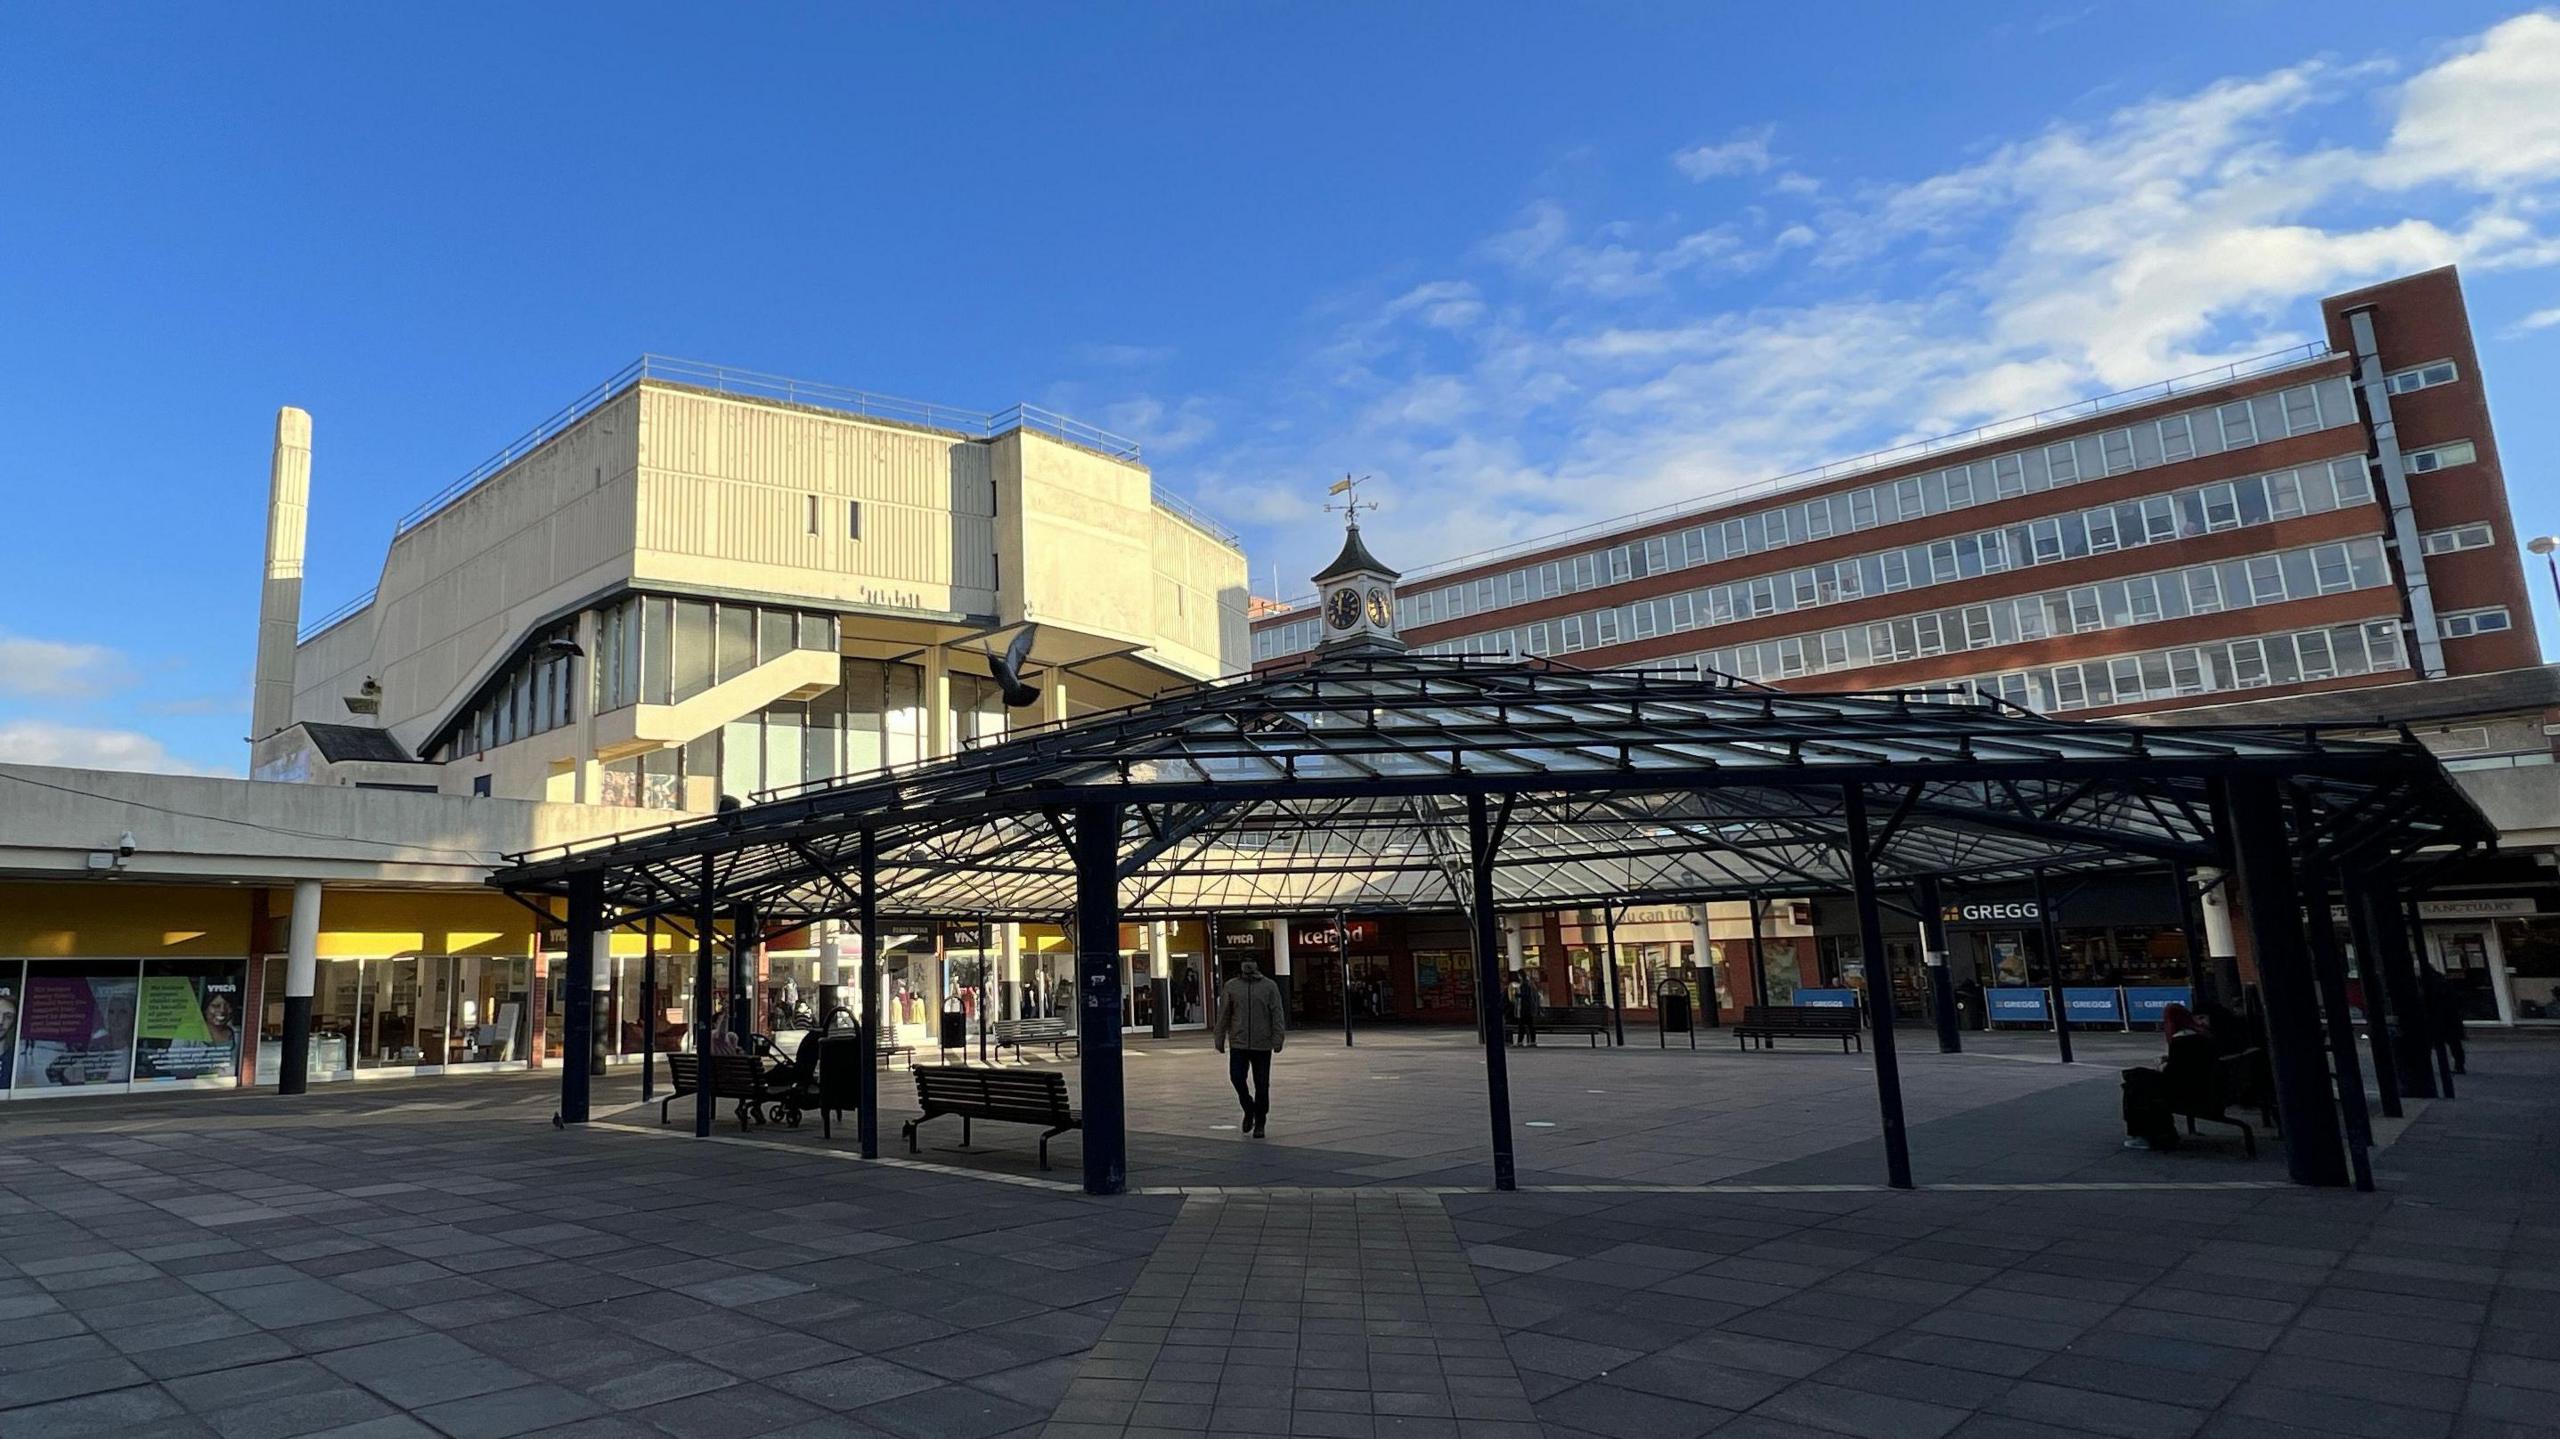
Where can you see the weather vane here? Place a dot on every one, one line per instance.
(1349, 488)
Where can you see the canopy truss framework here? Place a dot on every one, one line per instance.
(1374, 783)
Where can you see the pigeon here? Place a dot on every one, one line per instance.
(1007, 668)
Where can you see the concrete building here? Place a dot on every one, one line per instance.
(690, 584)
(698, 582)
(2310, 524)
(154, 930)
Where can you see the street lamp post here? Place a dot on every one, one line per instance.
(2548, 546)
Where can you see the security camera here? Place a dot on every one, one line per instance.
(124, 845)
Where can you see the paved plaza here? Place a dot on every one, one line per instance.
(1702, 1244)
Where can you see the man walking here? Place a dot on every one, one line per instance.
(1250, 1028)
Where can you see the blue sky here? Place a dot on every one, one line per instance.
(1529, 265)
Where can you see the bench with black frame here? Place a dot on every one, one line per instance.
(1588, 1019)
(733, 1076)
(1767, 1022)
(1057, 1033)
(1014, 1096)
(2238, 1080)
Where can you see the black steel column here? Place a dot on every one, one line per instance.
(1342, 954)
(1862, 876)
(2409, 1024)
(1759, 960)
(1497, 1059)
(1106, 1121)
(2187, 925)
(2288, 991)
(649, 1011)
(578, 994)
(867, 915)
(2377, 1015)
(2052, 935)
(1617, 999)
(742, 939)
(2420, 967)
(706, 917)
(1933, 955)
(2329, 971)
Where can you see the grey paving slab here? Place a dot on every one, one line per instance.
(436, 1258)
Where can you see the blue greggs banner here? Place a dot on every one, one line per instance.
(2143, 1004)
(1827, 998)
(2093, 1006)
(2017, 1005)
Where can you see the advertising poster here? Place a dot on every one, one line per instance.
(8, 1030)
(189, 1027)
(75, 1029)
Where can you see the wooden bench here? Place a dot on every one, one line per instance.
(1054, 1032)
(1588, 1019)
(1016, 1096)
(1767, 1022)
(733, 1076)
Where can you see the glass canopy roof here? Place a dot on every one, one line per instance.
(1342, 784)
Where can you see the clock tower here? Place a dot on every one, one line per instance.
(1356, 594)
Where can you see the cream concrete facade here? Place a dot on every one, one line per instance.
(924, 542)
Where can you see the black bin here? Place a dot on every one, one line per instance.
(1674, 1009)
(955, 1029)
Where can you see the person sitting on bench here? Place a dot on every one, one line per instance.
(2153, 1098)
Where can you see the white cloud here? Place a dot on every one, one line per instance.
(2490, 114)
(1608, 365)
(51, 669)
(35, 741)
(1159, 428)
(2539, 320)
(1747, 153)
(1123, 357)
(1795, 183)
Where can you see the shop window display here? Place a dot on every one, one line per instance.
(2531, 948)
(1444, 979)
(490, 1026)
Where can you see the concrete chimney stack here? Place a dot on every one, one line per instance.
(280, 606)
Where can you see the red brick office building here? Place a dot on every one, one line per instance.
(2327, 518)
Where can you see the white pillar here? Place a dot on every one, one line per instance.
(280, 603)
(301, 971)
(1279, 946)
(2222, 953)
(1009, 948)
(1514, 946)
(1053, 697)
(937, 703)
(302, 952)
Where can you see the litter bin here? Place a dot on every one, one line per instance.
(1671, 1014)
(955, 1029)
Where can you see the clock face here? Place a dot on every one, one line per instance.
(1342, 608)
(1382, 609)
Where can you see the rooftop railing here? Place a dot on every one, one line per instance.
(1904, 453)
(756, 384)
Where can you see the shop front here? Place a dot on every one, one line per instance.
(1655, 945)
(1360, 956)
(2122, 944)
(2500, 953)
(114, 1026)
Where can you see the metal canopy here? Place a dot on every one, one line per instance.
(1343, 784)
